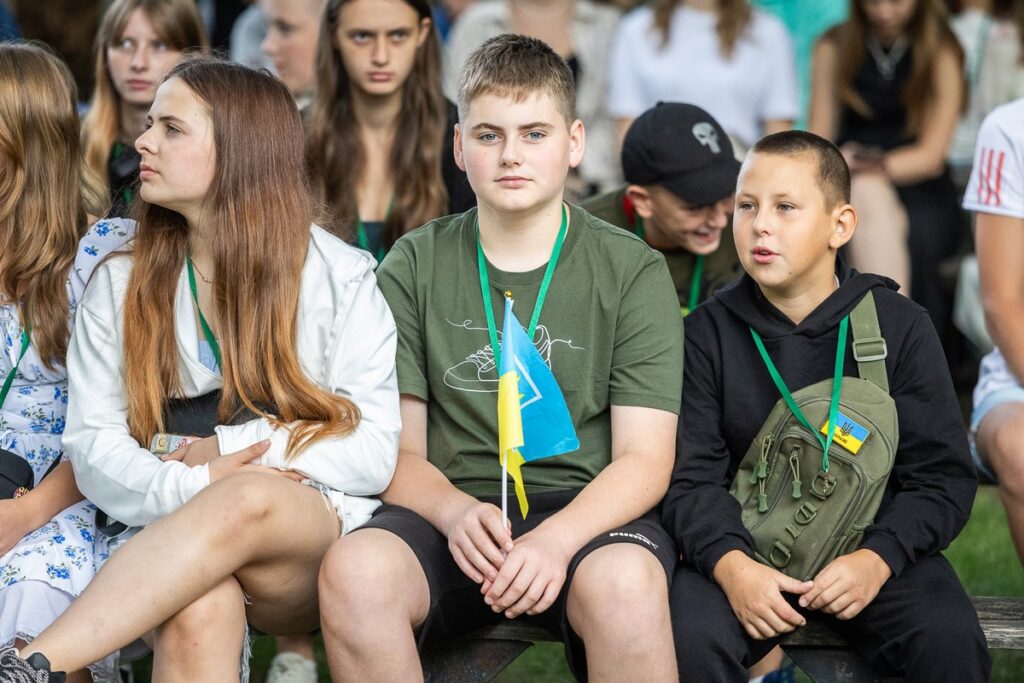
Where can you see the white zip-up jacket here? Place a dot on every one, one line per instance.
(346, 344)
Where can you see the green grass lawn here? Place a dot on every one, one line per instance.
(982, 555)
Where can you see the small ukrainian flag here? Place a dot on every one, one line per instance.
(533, 419)
(847, 433)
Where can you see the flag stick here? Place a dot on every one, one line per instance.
(504, 489)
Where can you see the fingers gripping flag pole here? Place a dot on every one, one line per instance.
(533, 419)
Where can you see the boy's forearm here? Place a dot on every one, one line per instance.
(421, 487)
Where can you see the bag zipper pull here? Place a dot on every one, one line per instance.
(794, 465)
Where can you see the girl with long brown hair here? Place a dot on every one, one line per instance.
(380, 130)
(48, 541)
(732, 60)
(228, 290)
(887, 86)
(137, 44)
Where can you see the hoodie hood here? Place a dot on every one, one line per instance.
(744, 299)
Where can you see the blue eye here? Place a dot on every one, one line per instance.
(488, 137)
(535, 135)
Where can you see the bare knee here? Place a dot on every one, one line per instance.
(243, 502)
(622, 587)
(371, 574)
(999, 441)
(217, 614)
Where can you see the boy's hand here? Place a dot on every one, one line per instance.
(755, 591)
(847, 584)
(531, 577)
(479, 541)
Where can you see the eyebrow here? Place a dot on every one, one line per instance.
(167, 118)
(529, 126)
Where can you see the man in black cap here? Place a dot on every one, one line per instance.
(681, 175)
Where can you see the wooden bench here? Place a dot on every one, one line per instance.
(818, 650)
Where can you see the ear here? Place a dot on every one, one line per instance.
(577, 143)
(457, 148)
(844, 224)
(641, 198)
(425, 24)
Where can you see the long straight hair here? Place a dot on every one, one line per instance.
(928, 33)
(734, 17)
(176, 23)
(259, 200)
(44, 194)
(335, 152)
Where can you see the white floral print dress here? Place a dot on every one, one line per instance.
(52, 565)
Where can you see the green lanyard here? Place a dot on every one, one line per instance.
(207, 332)
(698, 268)
(485, 287)
(363, 240)
(9, 382)
(837, 382)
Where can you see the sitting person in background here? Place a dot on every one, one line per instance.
(379, 139)
(990, 32)
(681, 171)
(137, 44)
(290, 43)
(724, 56)
(887, 88)
(580, 32)
(49, 548)
(996, 195)
(889, 589)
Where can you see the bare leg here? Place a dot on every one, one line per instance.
(300, 645)
(618, 604)
(82, 676)
(1001, 447)
(769, 663)
(244, 526)
(202, 642)
(373, 594)
(880, 243)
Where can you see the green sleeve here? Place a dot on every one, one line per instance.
(647, 360)
(397, 280)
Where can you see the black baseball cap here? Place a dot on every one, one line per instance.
(682, 148)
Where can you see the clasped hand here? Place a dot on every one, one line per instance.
(520, 577)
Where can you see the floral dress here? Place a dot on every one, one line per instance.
(52, 565)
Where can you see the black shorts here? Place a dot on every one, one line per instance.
(456, 605)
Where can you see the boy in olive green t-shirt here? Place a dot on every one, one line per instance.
(590, 562)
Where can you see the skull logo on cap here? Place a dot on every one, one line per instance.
(706, 136)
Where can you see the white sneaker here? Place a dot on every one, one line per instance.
(289, 667)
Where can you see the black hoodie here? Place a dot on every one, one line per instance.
(728, 393)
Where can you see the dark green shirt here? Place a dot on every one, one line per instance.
(720, 267)
(608, 331)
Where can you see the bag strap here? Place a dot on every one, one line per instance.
(869, 348)
(14, 371)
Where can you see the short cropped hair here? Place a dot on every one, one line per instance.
(517, 66)
(833, 173)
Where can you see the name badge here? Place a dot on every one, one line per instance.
(848, 433)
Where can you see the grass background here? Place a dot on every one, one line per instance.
(983, 556)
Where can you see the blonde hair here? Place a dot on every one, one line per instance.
(44, 192)
(517, 66)
(260, 201)
(176, 23)
(733, 19)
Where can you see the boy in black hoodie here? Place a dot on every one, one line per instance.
(896, 598)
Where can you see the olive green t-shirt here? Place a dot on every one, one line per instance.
(720, 267)
(609, 331)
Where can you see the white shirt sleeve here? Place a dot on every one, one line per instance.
(996, 178)
(780, 98)
(359, 364)
(626, 96)
(123, 479)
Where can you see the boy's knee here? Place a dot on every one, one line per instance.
(368, 574)
(624, 580)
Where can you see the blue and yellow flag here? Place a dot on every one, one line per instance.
(533, 419)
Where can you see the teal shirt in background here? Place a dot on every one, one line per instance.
(806, 21)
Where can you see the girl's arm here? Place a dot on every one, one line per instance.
(823, 113)
(37, 507)
(926, 158)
